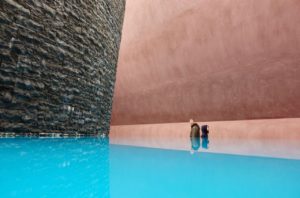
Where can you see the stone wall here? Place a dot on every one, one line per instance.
(58, 64)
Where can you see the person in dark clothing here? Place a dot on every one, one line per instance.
(205, 131)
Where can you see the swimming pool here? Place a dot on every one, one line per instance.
(91, 167)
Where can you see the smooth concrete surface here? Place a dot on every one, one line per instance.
(208, 60)
(268, 138)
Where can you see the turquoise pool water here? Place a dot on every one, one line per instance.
(91, 167)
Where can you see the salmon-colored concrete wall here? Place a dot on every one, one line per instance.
(208, 60)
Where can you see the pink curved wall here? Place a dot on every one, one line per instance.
(208, 60)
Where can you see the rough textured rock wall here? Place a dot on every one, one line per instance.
(58, 64)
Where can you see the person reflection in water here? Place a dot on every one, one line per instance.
(204, 135)
(195, 142)
(205, 142)
(194, 136)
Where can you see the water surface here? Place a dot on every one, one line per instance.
(91, 167)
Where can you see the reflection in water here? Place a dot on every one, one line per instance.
(195, 143)
(195, 136)
(205, 142)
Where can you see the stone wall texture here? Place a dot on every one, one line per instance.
(58, 64)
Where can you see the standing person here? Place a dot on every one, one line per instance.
(205, 131)
(195, 129)
(194, 136)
